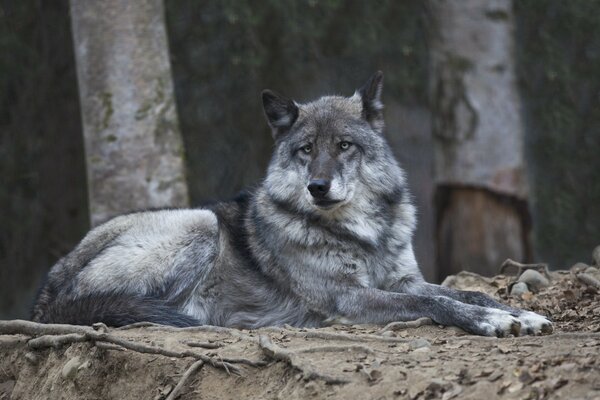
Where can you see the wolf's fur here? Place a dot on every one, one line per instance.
(325, 238)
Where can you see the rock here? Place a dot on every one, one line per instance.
(579, 267)
(534, 279)
(70, 368)
(31, 357)
(596, 256)
(419, 343)
(519, 289)
(592, 270)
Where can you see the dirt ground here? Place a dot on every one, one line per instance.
(338, 362)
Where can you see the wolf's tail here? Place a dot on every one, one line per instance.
(111, 309)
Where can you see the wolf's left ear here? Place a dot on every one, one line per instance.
(281, 112)
(370, 94)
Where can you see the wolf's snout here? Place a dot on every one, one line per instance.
(318, 188)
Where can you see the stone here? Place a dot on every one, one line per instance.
(519, 289)
(69, 370)
(419, 343)
(534, 279)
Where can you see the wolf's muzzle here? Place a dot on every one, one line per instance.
(319, 188)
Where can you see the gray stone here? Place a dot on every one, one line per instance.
(518, 289)
(419, 343)
(534, 279)
(69, 370)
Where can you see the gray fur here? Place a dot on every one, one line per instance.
(279, 254)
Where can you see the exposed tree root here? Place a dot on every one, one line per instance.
(184, 378)
(291, 357)
(55, 335)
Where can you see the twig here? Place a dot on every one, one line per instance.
(136, 325)
(396, 326)
(336, 349)
(246, 361)
(204, 328)
(588, 280)
(290, 357)
(540, 267)
(335, 336)
(184, 378)
(204, 345)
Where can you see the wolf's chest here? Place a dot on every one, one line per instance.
(341, 264)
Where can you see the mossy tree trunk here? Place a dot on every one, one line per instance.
(134, 151)
(481, 185)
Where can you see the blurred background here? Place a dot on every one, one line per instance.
(540, 110)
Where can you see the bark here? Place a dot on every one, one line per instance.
(134, 151)
(481, 185)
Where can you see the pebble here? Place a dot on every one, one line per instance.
(534, 279)
(596, 256)
(419, 343)
(70, 368)
(579, 267)
(518, 289)
(32, 358)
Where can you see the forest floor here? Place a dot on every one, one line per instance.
(401, 361)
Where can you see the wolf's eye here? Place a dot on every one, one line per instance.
(307, 149)
(345, 145)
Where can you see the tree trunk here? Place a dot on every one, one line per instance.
(481, 185)
(134, 151)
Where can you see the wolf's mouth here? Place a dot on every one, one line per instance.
(326, 203)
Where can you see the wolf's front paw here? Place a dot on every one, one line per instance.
(499, 323)
(534, 324)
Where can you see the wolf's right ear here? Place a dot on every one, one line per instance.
(281, 112)
(370, 95)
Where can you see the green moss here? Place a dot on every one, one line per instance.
(106, 100)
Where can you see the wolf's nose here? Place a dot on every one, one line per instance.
(318, 188)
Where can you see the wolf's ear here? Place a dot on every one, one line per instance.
(281, 112)
(370, 94)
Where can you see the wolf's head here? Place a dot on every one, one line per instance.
(330, 154)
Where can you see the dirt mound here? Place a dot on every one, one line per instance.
(403, 360)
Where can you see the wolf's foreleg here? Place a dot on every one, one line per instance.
(531, 323)
(368, 305)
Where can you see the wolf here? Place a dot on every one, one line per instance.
(324, 238)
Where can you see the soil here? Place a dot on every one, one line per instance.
(337, 362)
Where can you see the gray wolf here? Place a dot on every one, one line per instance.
(325, 238)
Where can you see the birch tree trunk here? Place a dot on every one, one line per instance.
(481, 186)
(134, 151)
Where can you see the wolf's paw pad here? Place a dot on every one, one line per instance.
(500, 323)
(534, 324)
